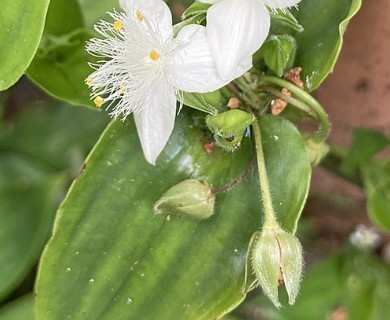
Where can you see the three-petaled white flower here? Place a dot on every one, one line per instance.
(237, 28)
(144, 67)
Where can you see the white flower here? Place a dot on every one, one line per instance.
(143, 67)
(237, 28)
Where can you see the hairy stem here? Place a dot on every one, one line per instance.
(269, 214)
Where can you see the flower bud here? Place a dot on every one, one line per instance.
(317, 151)
(278, 53)
(229, 127)
(190, 198)
(276, 259)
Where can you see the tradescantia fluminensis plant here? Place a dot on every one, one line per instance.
(192, 195)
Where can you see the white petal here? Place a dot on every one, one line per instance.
(209, 1)
(280, 4)
(194, 66)
(156, 120)
(156, 11)
(236, 29)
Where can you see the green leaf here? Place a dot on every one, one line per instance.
(20, 309)
(61, 64)
(283, 19)
(376, 177)
(196, 19)
(63, 17)
(294, 174)
(61, 67)
(195, 9)
(365, 144)
(24, 229)
(43, 134)
(209, 102)
(324, 23)
(367, 290)
(21, 26)
(96, 10)
(38, 156)
(110, 257)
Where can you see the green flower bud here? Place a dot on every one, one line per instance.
(190, 198)
(316, 151)
(229, 127)
(278, 52)
(277, 258)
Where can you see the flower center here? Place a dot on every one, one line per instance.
(154, 55)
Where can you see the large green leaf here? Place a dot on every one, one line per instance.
(95, 10)
(38, 157)
(61, 64)
(20, 309)
(110, 257)
(63, 17)
(61, 67)
(365, 144)
(21, 26)
(376, 177)
(324, 23)
(57, 136)
(24, 228)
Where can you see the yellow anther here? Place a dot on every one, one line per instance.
(90, 80)
(139, 15)
(98, 101)
(121, 89)
(118, 25)
(154, 55)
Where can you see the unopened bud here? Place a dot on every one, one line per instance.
(276, 259)
(190, 198)
(229, 127)
(316, 151)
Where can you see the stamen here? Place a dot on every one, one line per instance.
(118, 25)
(154, 55)
(121, 88)
(139, 15)
(98, 101)
(90, 80)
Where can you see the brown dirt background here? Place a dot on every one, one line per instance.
(356, 94)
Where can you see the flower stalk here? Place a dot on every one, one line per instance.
(269, 213)
(304, 102)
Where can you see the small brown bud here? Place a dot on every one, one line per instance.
(233, 103)
(209, 146)
(294, 77)
(278, 105)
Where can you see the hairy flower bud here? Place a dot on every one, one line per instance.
(276, 259)
(190, 198)
(229, 127)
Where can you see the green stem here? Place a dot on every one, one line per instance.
(321, 115)
(269, 214)
(247, 95)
